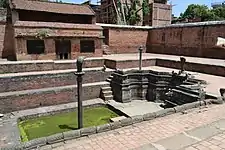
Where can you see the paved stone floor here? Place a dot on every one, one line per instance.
(198, 129)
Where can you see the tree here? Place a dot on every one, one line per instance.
(145, 9)
(196, 11)
(219, 13)
(202, 12)
(3, 3)
(131, 12)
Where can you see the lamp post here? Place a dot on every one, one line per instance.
(140, 49)
(79, 75)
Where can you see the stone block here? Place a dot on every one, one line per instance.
(71, 134)
(203, 103)
(115, 125)
(117, 118)
(197, 104)
(137, 119)
(149, 116)
(88, 131)
(35, 143)
(14, 147)
(55, 138)
(126, 122)
(190, 105)
(217, 101)
(165, 112)
(179, 108)
(103, 128)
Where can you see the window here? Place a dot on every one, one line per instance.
(87, 46)
(35, 46)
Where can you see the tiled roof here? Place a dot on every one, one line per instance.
(62, 8)
(32, 24)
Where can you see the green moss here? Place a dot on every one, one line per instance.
(49, 125)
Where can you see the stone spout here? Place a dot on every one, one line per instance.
(80, 61)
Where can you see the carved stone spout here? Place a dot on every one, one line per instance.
(80, 61)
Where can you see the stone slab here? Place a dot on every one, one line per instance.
(136, 107)
(204, 132)
(118, 118)
(219, 124)
(146, 147)
(176, 142)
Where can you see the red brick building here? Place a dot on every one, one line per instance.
(47, 30)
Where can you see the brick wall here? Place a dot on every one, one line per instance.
(39, 98)
(161, 14)
(45, 65)
(56, 31)
(50, 53)
(193, 39)
(124, 39)
(19, 82)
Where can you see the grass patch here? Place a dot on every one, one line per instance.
(49, 125)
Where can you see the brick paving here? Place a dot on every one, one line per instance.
(134, 136)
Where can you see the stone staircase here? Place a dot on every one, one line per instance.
(109, 79)
(106, 91)
(106, 50)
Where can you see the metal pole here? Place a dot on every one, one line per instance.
(79, 94)
(140, 57)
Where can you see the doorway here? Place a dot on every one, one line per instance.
(63, 49)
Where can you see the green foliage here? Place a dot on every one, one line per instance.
(3, 3)
(49, 125)
(42, 34)
(131, 12)
(203, 12)
(145, 7)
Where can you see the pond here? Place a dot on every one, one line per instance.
(48, 125)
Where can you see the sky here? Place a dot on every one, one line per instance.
(178, 5)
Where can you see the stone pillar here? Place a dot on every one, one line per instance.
(79, 75)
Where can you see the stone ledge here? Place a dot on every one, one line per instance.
(126, 122)
(137, 119)
(165, 112)
(103, 128)
(115, 125)
(55, 138)
(71, 134)
(88, 131)
(34, 143)
(149, 116)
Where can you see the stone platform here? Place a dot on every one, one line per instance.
(136, 107)
(196, 64)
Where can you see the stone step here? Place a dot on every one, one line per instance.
(20, 100)
(106, 88)
(44, 79)
(107, 93)
(108, 80)
(109, 97)
(46, 65)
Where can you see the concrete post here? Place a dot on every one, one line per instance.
(140, 57)
(79, 75)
